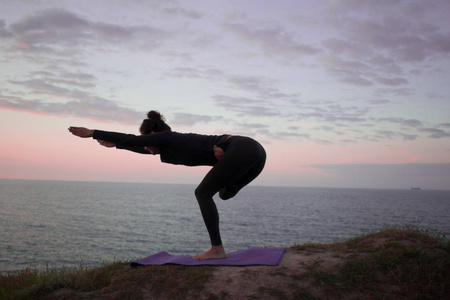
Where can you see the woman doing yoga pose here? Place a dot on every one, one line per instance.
(235, 161)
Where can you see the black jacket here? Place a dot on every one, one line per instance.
(187, 149)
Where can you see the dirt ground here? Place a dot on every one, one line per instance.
(266, 282)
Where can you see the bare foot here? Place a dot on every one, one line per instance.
(215, 252)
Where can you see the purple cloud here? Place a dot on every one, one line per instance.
(388, 134)
(245, 106)
(191, 119)
(48, 30)
(89, 107)
(378, 40)
(406, 122)
(435, 133)
(272, 40)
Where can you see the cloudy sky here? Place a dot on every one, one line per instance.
(340, 93)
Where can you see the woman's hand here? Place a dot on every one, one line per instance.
(218, 152)
(81, 132)
(106, 143)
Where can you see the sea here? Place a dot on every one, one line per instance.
(57, 224)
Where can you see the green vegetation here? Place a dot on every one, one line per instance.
(407, 262)
(113, 281)
(393, 263)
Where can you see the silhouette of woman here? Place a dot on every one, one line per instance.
(235, 161)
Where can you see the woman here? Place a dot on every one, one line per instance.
(236, 161)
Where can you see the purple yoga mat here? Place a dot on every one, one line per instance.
(248, 257)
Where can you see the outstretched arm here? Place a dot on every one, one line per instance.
(86, 133)
(81, 132)
(123, 139)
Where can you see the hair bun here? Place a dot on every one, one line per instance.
(154, 123)
(154, 115)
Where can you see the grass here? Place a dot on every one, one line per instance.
(31, 283)
(407, 261)
(117, 280)
(393, 263)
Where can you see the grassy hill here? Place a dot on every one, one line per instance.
(393, 263)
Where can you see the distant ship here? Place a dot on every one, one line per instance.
(416, 189)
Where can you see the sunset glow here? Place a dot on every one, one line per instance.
(340, 93)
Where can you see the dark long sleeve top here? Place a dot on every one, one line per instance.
(188, 149)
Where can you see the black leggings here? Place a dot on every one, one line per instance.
(242, 162)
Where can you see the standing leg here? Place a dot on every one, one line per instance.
(242, 162)
(208, 208)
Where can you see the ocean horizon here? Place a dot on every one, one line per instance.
(64, 223)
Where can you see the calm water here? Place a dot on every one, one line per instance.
(65, 223)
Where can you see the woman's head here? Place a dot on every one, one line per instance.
(154, 123)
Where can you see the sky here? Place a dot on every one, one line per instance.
(340, 93)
